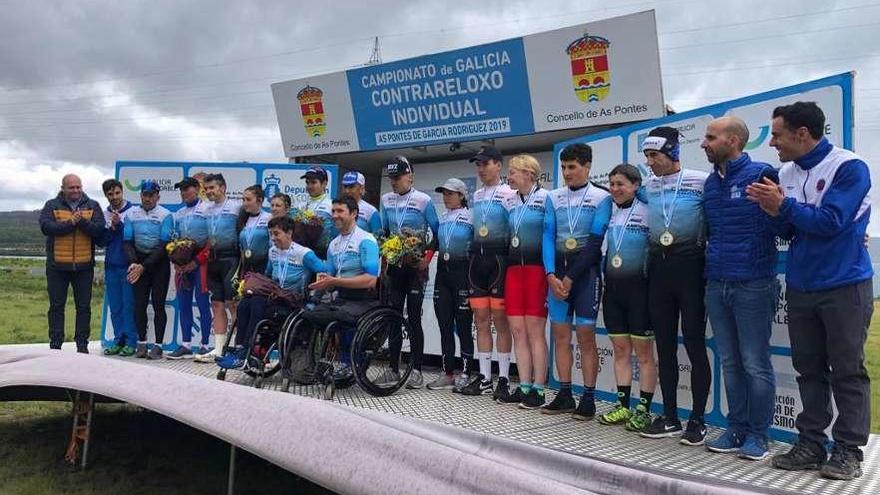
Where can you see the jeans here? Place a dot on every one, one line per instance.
(57, 282)
(120, 302)
(193, 281)
(741, 314)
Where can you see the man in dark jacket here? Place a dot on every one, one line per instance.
(741, 287)
(71, 223)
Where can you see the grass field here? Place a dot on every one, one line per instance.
(130, 453)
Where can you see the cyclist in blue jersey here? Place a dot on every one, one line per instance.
(351, 270)
(580, 211)
(486, 272)
(119, 294)
(279, 205)
(525, 287)
(625, 299)
(675, 281)
(406, 207)
(289, 265)
(222, 213)
(191, 222)
(451, 286)
(318, 202)
(147, 229)
(354, 184)
(253, 232)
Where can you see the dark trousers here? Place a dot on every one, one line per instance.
(828, 330)
(676, 288)
(453, 312)
(152, 287)
(405, 286)
(57, 282)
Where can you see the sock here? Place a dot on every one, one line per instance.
(565, 388)
(503, 364)
(525, 387)
(485, 365)
(623, 395)
(540, 389)
(589, 393)
(219, 341)
(186, 344)
(645, 399)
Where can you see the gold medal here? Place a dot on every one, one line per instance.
(616, 261)
(571, 243)
(514, 241)
(666, 238)
(484, 230)
(213, 242)
(247, 253)
(446, 256)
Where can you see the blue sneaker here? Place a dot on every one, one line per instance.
(726, 443)
(233, 360)
(753, 449)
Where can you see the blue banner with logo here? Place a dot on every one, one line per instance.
(473, 93)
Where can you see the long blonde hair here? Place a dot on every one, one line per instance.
(526, 163)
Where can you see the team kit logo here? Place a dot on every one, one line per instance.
(311, 106)
(590, 71)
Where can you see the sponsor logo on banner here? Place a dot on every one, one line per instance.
(763, 132)
(311, 106)
(590, 70)
(271, 185)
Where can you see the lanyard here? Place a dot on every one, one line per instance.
(619, 241)
(402, 216)
(214, 219)
(285, 266)
(572, 223)
(339, 254)
(446, 233)
(250, 230)
(517, 221)
(667, 216)
(488, 204)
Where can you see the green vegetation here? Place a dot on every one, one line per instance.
(20, 233)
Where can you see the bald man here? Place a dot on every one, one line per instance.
(71, 222)
(741, 287)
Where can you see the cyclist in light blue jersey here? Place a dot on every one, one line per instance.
(581, 212)
(406, 207)
(146, 231)
(191, 222)
(318, 201)
(117, 291)
(253, 232)
(353, 184)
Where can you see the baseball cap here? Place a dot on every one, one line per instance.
(398, 166)
(149, 186)
(663, 139)
(315, 173)
(454, 185)
(352, 178)
(487, 153)
(186, 182)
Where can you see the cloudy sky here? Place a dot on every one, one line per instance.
(86, 83)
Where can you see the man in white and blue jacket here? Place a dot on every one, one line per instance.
(741, 287)
(118, 292)
(822, 206)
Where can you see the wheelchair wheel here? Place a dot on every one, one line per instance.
(297, 363)
(327, 355)
(381, 346)
(263, 359)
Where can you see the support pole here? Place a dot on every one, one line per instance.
(230, 481)
(82, 409)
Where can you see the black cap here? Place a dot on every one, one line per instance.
(315, 173)
(398, 166)
(487, 153)
(668, 133)
(186, 182)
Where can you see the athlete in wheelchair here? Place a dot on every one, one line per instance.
(349, 333)
(269, 302)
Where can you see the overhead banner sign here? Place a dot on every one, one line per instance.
(598, 73)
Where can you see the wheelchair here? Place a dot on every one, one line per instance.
(338, 354)
(263, 354)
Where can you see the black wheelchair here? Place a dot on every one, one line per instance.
(262, 350)
(336, 353)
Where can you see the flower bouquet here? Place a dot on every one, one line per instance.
(181, 251)
(258, 284)
(308, 227)
(404, 249)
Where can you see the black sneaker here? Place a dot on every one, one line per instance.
(532, 400)
(141, 352)
(801, 457)
(502, 393)
(845, 464)
(662, 427)
(82, 349)
(477, 386)
(694, 434)
(515, 398)
(155, 353)
(585, 411)
(561, 404)
(182, 352)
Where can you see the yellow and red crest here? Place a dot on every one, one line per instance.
(311, 106)
(590, 71)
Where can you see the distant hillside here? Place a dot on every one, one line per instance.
(20, 233)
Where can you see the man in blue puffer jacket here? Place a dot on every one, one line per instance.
(823, 206)
(741, 287)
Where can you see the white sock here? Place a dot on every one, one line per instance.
(504, 364)
(186, 344)
(485, 364)
(219, 341)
